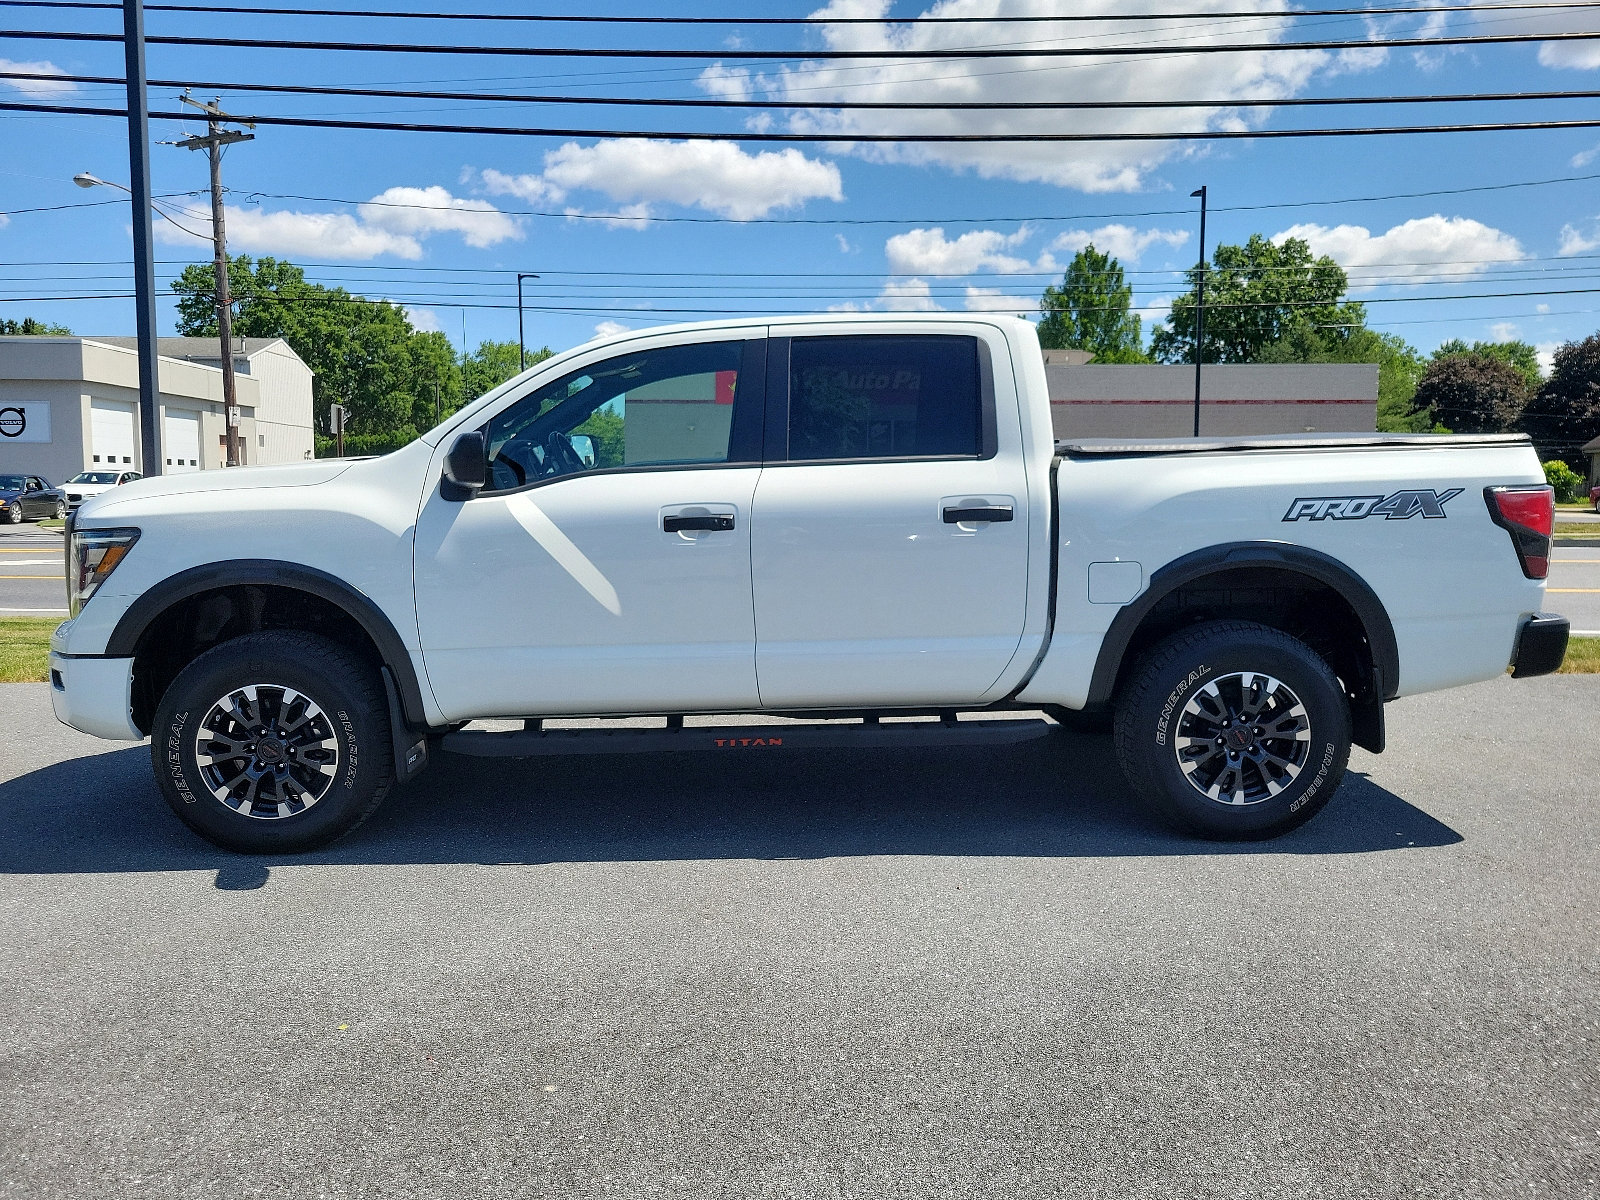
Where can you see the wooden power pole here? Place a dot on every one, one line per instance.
(214, 140)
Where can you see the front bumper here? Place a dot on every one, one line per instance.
(1541, 645)
(94, 695)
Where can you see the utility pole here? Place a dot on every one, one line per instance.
(1200, 311)
(522, 347)
(215, 139)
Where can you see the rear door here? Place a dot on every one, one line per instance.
(890, 538)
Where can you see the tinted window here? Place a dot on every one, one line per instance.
(884, 397)
(650, 408)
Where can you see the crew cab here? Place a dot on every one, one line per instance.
(832, 519)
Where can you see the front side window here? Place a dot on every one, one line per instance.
(884, 396)
(660, 407)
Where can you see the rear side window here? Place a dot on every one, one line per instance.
(884, 397)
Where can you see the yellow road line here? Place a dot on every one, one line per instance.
(61, 578)
(1569, 591)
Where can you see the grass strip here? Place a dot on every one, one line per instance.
(1583, 657)
(25, 648)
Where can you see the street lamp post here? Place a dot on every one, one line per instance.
(1200, 311)
(522, 349)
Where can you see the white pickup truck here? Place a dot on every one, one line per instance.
(841, 520)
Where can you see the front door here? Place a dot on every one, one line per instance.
(890, 550)
(606, 567)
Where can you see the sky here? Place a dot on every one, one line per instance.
(625, 234)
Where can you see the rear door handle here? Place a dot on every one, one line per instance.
(713, 522)
(987, 512)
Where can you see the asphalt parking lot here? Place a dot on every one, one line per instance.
(32, 572)
(955, 973)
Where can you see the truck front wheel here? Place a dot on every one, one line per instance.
(1233, 730)
(273, 743)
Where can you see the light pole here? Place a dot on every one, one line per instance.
(522, 349)
(145, 296)
(1200, 310)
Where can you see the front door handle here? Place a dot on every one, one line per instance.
(712, 522)
(986, 512)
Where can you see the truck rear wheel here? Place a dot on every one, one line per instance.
(273, 743)
(1233, 730)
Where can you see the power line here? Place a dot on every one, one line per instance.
(724, 53)
(840, 138)
(897, 105)
(608, 19)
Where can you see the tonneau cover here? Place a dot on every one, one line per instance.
(1129, 447)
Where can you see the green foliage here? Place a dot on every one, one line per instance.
(1473, 393)
(363, 445)
(1569, 485)
(1566, 412)
(28, 327)
(605, 427)
(1090, 311)
(365, 354)
(1258, 294)
(1517, 354)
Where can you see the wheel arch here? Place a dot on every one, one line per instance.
(1251, 579)
(211, 603)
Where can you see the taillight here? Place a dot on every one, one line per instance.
(1528, 514)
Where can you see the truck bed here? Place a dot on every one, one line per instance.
(1280, 443)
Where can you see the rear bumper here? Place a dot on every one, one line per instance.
(1541, 645)
(94, 695)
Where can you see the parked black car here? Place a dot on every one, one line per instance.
(29, 498)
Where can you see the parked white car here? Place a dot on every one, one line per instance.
(844, 517)
(91, 483)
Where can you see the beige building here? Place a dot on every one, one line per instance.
(1138, 401)
(70, 404)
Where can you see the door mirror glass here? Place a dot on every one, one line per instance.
(465, 467)
(583, 447)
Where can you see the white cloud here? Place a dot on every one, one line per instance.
(379, 229)
(1546, 353)
(909, 295)
(928, 251)
(1154, 310)
(4, 220)
(1504, 331)
(1419, 247)
(1541, 309)
(1089, 166)
(44, 88)
(1579, 56)
(1584, 157)
(424, 320)
(423, 211)
(1122, 242)
(982, 299)
(1574, 241)
(716, 176)
(844, 244)
(609, 329)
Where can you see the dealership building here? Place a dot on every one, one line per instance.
(70, 404)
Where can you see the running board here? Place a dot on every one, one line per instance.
(530, 743)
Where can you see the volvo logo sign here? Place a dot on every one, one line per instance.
(13, 422)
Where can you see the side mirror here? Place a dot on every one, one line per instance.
(466, 467)
(583, 447)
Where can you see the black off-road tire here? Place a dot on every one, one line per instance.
(1170, 691)
(348, 696)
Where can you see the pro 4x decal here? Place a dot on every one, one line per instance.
(1395, 507)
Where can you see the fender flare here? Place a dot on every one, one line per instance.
(1300, 560)
(134, 623)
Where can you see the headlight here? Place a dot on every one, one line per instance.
(92, 554)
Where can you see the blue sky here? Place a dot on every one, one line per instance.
(443, 222)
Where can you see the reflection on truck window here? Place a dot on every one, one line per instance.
(650, 408)
(884, 397)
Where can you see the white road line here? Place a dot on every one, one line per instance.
(50, 562)
(56, 611)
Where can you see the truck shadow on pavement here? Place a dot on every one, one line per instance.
(1061, 796)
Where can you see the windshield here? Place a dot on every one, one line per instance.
(12, 483)
(94, 477)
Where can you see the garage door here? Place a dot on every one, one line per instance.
(182, 447)
(111, 433)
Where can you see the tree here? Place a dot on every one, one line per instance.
(1399, 369)
(28, 327)
(1566, 412)
(492, 363)
(1473, 393)
(1258, 294)
(1518, 354)
(1090, 311)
